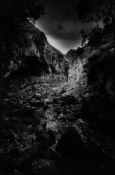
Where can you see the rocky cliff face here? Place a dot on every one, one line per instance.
(98, 73)
(26, 47)
(93, 66)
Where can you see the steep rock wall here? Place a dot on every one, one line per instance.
(27, 47)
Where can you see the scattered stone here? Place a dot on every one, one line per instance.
(37, 95)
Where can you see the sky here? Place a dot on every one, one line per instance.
(61, 12)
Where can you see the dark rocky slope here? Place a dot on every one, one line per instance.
(95, 124)
(27, 48)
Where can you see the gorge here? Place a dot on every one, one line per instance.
(56, 111)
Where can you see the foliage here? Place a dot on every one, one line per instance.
(21, 9)
(95, 37)
(84, 36)
(98, 11)
(94, 10)
(14, 12)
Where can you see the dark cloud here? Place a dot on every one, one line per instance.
(61, 12)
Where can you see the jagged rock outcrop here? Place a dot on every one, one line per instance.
(26, 47)
(98, 99)
(94, 66)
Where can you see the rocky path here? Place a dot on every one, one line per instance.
(33, 116)
(43, 131)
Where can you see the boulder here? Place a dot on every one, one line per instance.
(87, 148)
